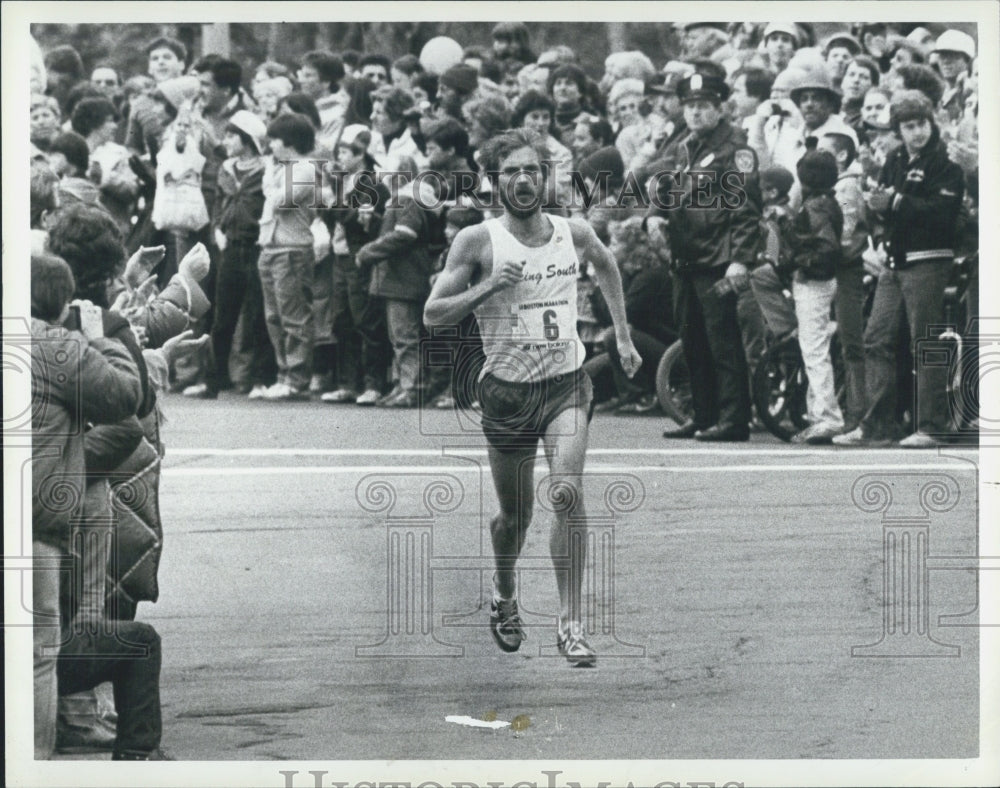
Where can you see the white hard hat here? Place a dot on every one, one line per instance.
(956, 41)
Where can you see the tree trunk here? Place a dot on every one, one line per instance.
(215, 39)
(616, 36)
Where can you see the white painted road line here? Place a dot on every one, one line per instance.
(475, 451)
(302, 470)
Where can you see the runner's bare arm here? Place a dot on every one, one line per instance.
(590, 249)
(469, 278)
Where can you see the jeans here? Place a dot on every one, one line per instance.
(918, 294)
(849, 306)
(359, 323)
(238, 294)
(322, 301)
(404, 320)
(286, 281)
(128, 654)
(45, 644)
(813, 299)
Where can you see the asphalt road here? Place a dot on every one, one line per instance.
(725, 596)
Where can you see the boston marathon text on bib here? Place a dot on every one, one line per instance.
(529, 330)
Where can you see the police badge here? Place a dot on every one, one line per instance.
(745, 160)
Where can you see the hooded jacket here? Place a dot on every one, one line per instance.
(922, 219)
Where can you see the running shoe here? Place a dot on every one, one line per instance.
(282, 392)
(505, 624)
(259, 391)
(920, 440)
(200, 391)
(339, 396)
(574, 647)
(857, 437)
(368, 397)
(445, 402)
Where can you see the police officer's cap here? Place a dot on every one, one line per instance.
(703, 86)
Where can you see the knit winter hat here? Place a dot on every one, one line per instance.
(250, 125)
(625, 87)
(629, 65)
(817, 170)
(461, 78)
(604, 160)
(845, 40)
(776, 178)
(909, 105)
(788, 28)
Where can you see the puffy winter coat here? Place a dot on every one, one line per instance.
(74, 381)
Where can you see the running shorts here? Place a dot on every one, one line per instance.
(517, 415)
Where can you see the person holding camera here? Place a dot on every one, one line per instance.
(78, 377)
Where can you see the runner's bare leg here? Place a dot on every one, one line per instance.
(566, 450)
(514, 481)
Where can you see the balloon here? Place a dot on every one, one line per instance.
(439, 54)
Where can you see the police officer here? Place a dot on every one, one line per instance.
(713, 209)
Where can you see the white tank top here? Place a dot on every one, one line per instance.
(529, 329)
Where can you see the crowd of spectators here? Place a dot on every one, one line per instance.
(249, 203)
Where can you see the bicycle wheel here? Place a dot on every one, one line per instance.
(779, 390)
(673, 384)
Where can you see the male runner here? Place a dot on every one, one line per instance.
(518, 275)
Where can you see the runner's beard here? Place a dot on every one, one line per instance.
(521, 207)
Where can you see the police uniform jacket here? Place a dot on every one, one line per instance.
(922, 219)
(713, 203)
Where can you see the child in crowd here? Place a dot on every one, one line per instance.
(813, 240)
(239, 203)
(400, 261)
(772, 294)
(286, 253)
